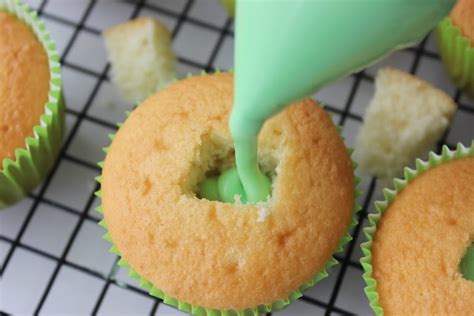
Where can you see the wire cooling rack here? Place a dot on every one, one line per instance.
(53, 261)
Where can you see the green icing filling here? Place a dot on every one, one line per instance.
(225, 187)
(467, 264)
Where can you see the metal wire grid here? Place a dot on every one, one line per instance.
(101, 75)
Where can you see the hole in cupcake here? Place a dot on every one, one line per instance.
(467, 263)
(213, 175)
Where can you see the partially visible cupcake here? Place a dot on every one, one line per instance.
(418, 259)
(456, 44)
(32, 114)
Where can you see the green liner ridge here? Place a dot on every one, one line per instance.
(389, 195)
(21, 175)
(257, 310)
(457, 53)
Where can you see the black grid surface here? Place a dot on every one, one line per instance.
(99, 286)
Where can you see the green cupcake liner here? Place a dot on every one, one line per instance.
(457, 53)
(21, 175)
(389, 195)
(257, 310)
(229, 6)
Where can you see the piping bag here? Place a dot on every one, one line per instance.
(287, 49)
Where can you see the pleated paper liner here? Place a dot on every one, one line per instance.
(457, 53)
(389, 195)
(21, 175)
(229, 6)
(256, 310)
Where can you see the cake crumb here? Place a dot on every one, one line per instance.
(405, 118)
(141, 56)
(262, 214)
(237, 199)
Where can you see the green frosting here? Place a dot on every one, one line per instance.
(285, 50)
(208, 189)
(227, 187)
(467, 264)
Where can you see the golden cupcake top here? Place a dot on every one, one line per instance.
(215, 254)
(24, 83)
(420, 241)
(463, 17)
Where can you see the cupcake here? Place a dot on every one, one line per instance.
(210, 257)
(31, 123)
(419, 256)
(456, 44)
